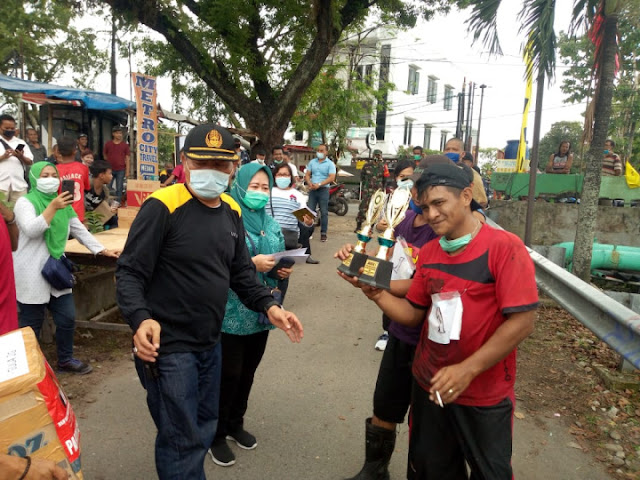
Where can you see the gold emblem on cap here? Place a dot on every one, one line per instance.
(213, 139)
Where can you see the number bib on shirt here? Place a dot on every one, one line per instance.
(445, 317)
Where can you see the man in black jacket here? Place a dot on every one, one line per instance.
(185, 250)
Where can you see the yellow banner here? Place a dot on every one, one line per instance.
(147, 123)
(522, 146)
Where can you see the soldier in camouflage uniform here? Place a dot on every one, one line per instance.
(372, 178)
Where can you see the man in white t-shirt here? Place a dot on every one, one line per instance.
(15, 156)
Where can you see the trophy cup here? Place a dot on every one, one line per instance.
(377, 270)
(355, 261)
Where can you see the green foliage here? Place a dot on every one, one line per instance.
(333, 104)
(9, 205)
(258, 57)
(166, 144)
(560, 132)
(94, 222)
(578, 55)
(38, 37)
(406, 153)
(487, 161)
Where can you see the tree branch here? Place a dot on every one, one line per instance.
(212, 71)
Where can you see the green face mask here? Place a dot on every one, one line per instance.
(417, 157)
(255, 200)
(455, 244)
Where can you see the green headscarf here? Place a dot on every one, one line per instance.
(56, 235)
(254, 220)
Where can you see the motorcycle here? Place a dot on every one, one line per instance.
(337, 202)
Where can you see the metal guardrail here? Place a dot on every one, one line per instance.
(612, 322)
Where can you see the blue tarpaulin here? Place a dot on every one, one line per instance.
(91, 99)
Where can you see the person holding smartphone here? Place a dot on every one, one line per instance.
(15, 158)
(45, 220)
(244, 337)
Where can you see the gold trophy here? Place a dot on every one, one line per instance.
(377, 270)
(355, 261)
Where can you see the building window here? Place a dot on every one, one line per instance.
(443, 139)
(364, 73)
(426, 144)
(408, 130)
(432, 89)
(448, 97)
(298, 136)
(414, 81)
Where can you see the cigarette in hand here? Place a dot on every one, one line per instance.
(439, 399)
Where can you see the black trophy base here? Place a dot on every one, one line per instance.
(352, 264)
(377, 273)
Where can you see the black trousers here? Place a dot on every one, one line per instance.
(305, 234)
(241, 355)
(441, 439)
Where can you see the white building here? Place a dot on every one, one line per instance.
(422, 106)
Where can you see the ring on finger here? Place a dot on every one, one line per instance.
(451, 391)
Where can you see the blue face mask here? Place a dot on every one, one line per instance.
(455, 244)
(606, 152)
(405, 183)
(255, 200)
(454, 157)
(320, 155)
(415, 207)
(208, 183)
(283, 182)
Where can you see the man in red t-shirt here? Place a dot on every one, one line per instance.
(8, 243)
(69, 169)
(475, 294)
(117, 153)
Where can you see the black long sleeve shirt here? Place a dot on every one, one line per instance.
(180, 259)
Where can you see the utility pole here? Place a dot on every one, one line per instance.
(472, 100)
(113, 54)
(460, 120)
(467, 131)
(533, 164)
(475, 160)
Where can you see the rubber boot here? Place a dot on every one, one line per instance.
(380, 443)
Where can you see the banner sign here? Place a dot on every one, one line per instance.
(147, 121)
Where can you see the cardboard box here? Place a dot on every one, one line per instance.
(36, 418)
(139, 190)
(126, 216)
(104, 210)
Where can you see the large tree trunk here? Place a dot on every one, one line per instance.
(588, 211)
(269, 114)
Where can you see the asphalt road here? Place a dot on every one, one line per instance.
(309, 401)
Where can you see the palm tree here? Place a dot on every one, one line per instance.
(603, 19)
(601, 16)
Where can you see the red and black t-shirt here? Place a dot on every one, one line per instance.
(495, 277)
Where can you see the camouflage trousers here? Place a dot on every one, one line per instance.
(364, 205)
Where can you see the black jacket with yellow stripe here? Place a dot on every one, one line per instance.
(180, 259)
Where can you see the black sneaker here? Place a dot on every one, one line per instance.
(221, 454)
(312, 261)
(244, 439)
(75, 366)
(323, 237)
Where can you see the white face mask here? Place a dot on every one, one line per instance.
(208, 183)
(405, 183)
(48, 185)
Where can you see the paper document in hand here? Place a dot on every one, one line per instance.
(300, 213)
(299, 255)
